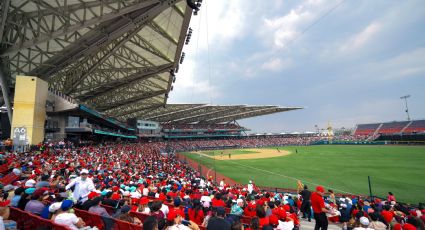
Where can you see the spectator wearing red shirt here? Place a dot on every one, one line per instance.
(196, 214)
(387, 214)
(261, 213)
(390, 197)
(217, 201)
(319, 209)
(250, 210)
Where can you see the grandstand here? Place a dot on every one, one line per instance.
(98, 75)
(388, 128)
(118, 57)
(415, 127)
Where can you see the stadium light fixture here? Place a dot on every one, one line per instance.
(407, 108)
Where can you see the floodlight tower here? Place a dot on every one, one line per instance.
(407, 108)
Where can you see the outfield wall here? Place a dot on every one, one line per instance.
(326, 142)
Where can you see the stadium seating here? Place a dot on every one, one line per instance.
(111, 210)
(26, 220)
(91, 219)
(395, 127)
(139, 215)
(392, 127)
(366, 129)
(415, 127)
(122, 225)
(9, 179)
(4, 168)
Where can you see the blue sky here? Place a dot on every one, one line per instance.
(350, 66)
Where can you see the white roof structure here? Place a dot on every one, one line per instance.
(113, 55)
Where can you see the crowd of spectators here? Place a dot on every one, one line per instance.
(202, 126)
(58, 180)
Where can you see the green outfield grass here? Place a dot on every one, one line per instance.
(345, 168)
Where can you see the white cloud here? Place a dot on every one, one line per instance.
(223, 20)
(401, 66)
(286, 28)
(190, 87)
(276, 64)
(362, 38)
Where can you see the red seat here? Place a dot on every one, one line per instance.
(9, 179)
(26, 220)
(123, 225)
(91, 219)
(109, 209)
(139, 215)
(246, 220)
(4, 168)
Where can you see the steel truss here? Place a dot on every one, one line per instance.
(117, 56)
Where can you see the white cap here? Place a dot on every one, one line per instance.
(364, 221)
(135, 195)
(239, 201)
(55, 206)
(84, 171)
(30, 183)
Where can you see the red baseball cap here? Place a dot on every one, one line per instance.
(115, 196)
(173, 213)
(134, 200)
(273, 220)
(408, 226)
(413, 213)
(144, 200)
(282, 214)
(5, 203)
(397, 226)
(93, 195)
(320, 189)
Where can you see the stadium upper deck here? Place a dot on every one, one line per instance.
(113, 55)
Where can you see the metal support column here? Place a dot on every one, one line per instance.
(6, 94)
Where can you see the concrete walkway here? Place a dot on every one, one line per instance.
(310, 225)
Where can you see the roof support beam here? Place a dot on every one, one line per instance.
(130, 100)
(142, 74)
(167, 109)
(122, 113)
(203, 116)
(6, 94)
(162, 32)
(183, 30)
(4, 12)
(248, 114)
(98, 42)
(44, 37)
(168, 115)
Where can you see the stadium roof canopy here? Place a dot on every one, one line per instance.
(207, 114)
(116, 56)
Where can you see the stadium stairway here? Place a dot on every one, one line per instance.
(376, 132)
(305, 225)
(405, 127)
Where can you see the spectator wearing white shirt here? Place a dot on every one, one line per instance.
(64, 217)
(83, 186)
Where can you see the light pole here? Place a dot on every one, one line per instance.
(407, 108)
